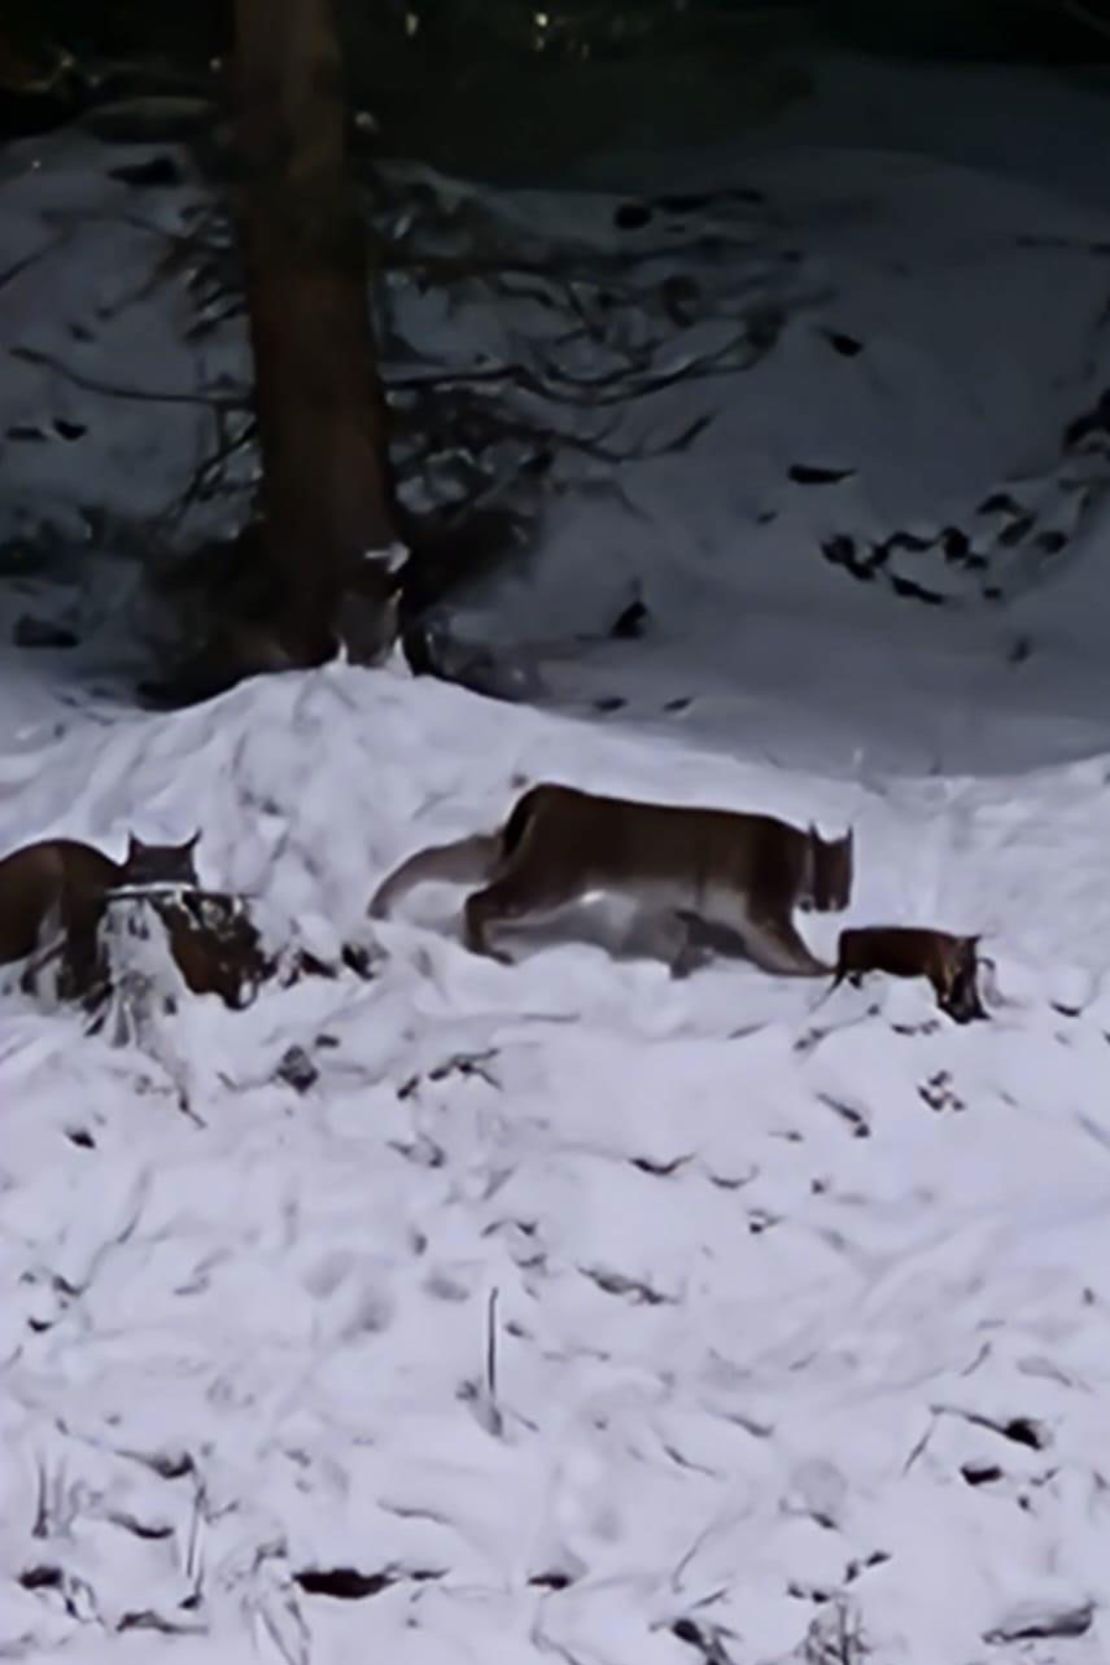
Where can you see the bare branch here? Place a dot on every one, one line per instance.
(92, 384)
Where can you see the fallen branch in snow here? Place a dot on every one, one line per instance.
(464, 1064)
(835, 1637)
(481, 1395)
(616, 1283)
(496, 1419)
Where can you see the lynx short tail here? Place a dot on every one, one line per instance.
(466, 861)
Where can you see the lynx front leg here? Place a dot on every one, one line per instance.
(480, 913)
(766, 931)
(775, 946)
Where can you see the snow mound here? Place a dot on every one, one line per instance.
(565, 1309)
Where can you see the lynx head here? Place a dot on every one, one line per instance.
(829, 869)
(959, 991)
(160, 864)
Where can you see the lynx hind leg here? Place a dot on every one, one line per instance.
(775, 946)
(669, 937)
(519, 896)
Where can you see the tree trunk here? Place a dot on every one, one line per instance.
(326, 493)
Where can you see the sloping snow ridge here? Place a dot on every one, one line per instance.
(837, 419)
(569, 1311)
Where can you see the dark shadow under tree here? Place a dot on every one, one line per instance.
(325, 542)
(321, 415)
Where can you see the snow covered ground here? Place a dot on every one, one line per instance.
(795, 1322)
(888, 370)
(568, 1312)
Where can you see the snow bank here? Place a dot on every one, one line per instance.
(569, 1309)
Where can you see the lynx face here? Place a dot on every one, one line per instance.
(960, 995)
(160, 864)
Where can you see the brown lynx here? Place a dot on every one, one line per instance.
(57, 889)
(949, 962)
(681, 867)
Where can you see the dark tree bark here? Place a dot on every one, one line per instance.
(326, 494)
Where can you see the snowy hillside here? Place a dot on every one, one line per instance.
(793, 1325)
(837, 415)
(568, 1312)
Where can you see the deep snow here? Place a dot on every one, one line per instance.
(787, 1313)
(573, 1312)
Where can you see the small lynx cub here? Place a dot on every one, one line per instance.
(949, 962)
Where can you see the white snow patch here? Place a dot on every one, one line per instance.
(784, 1312)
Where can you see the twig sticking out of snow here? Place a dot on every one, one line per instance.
(491, 1347)
(482, 1396)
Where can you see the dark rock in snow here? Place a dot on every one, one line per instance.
(846, 345)
(30, 632)
(297, 1070)
(344, 1583)
(1024, 1431)
(41, 1578)
(981, 1474)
